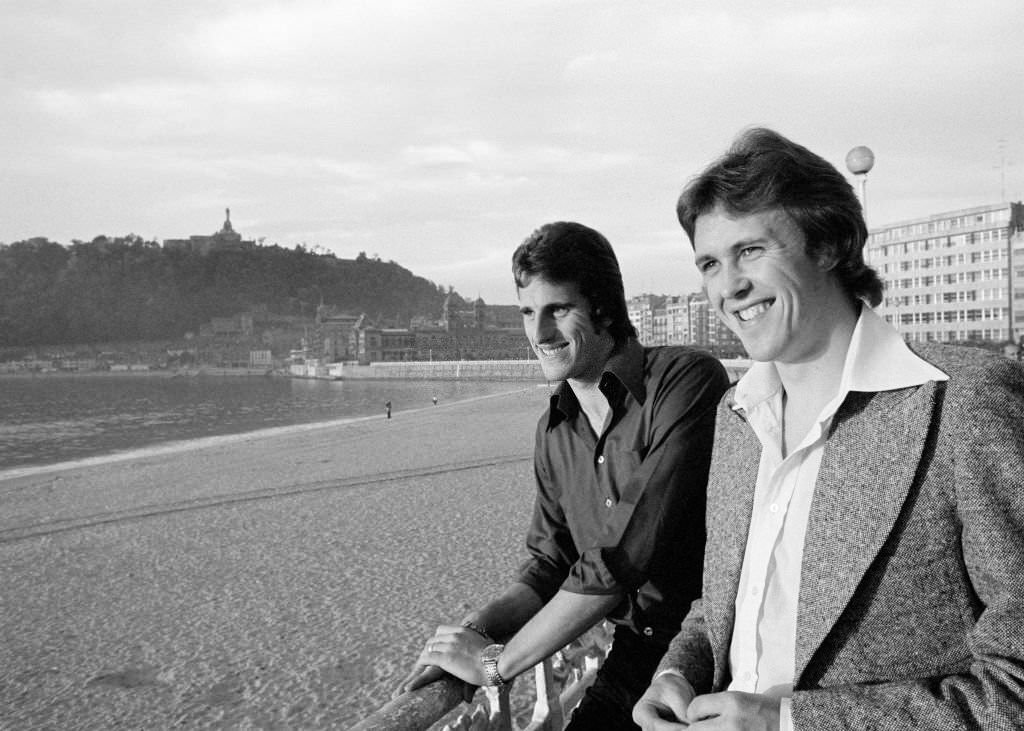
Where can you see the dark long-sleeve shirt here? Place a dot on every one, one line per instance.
(623, 512)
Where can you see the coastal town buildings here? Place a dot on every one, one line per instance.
(681, 320)
(481, 332)
(954, 277)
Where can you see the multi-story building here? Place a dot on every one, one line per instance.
(681, 320)
(956, 276)
(640, 310)
(485, 332)
(677, 317)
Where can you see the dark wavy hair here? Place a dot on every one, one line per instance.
(567, 252)
(763, 170)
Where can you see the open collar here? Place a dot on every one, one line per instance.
(877, 360)
(624, 372)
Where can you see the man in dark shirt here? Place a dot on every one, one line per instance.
(621, 462)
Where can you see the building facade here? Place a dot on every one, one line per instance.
(954, 277)
(682, 320)
(482, 332)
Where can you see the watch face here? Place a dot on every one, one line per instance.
(492, 651)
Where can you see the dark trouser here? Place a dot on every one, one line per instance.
(622, 679)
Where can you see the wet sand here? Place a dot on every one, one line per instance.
(279, 580)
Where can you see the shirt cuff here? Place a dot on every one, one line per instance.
(785, 714)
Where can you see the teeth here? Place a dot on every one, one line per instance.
(751, 312)
(550, 349)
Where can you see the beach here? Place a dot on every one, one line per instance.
(283, 579)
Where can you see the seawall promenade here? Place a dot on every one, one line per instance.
(278, 580)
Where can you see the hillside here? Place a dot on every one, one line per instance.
(126, 289)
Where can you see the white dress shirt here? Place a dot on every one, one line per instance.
(762, 656)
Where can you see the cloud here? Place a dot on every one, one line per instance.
(439, 134)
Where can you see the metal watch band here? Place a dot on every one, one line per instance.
(490, 659)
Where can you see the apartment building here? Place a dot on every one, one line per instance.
(681, 320)
(640, 310)
(956, 276)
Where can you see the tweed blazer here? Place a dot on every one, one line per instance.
(911, 603)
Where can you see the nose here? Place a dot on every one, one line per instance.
(734, 284)
(540, 328)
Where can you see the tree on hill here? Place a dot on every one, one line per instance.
(127, 288)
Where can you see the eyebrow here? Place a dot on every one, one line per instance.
(549, 306)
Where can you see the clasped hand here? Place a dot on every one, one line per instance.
(670, 703)
(452, 649)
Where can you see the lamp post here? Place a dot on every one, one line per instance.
(859, 161)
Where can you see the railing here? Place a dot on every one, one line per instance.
(558, 685)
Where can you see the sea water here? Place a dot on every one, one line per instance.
(53, 418)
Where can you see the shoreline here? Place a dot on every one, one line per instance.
(182, 445)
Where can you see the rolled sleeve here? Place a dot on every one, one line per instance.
(550, 546)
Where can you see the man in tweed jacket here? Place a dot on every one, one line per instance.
(864, 566)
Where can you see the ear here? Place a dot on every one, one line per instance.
(600, 320)
(827, 259)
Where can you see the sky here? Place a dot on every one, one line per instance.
(440, 133)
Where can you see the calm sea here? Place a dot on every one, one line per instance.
(54, 418)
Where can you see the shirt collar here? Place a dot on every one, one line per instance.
(877, 360)
(623, 371)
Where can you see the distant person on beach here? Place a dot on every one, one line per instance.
(387, 409)
(434, 400)
(621, 461)
(865, 554)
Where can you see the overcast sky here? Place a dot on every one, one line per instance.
(440, 133)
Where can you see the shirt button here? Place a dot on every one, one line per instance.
(608, 502)
(648, 632)
(755, 591)
(774, 507)
(600, 460)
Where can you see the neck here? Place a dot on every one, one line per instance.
(821, 371)
(811, 383)
(593, 403)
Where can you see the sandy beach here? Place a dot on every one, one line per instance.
(277, 580)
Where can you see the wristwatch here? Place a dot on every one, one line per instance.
(489, 656)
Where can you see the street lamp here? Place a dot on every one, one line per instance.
(859, 161)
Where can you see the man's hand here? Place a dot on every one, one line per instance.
(452, 649)
(664, 704)
(732, 711)
(418, 677)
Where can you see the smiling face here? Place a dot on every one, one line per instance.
(782, 304)
(569, 345)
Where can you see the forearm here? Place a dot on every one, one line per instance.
(559, 622)
(504, 616)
